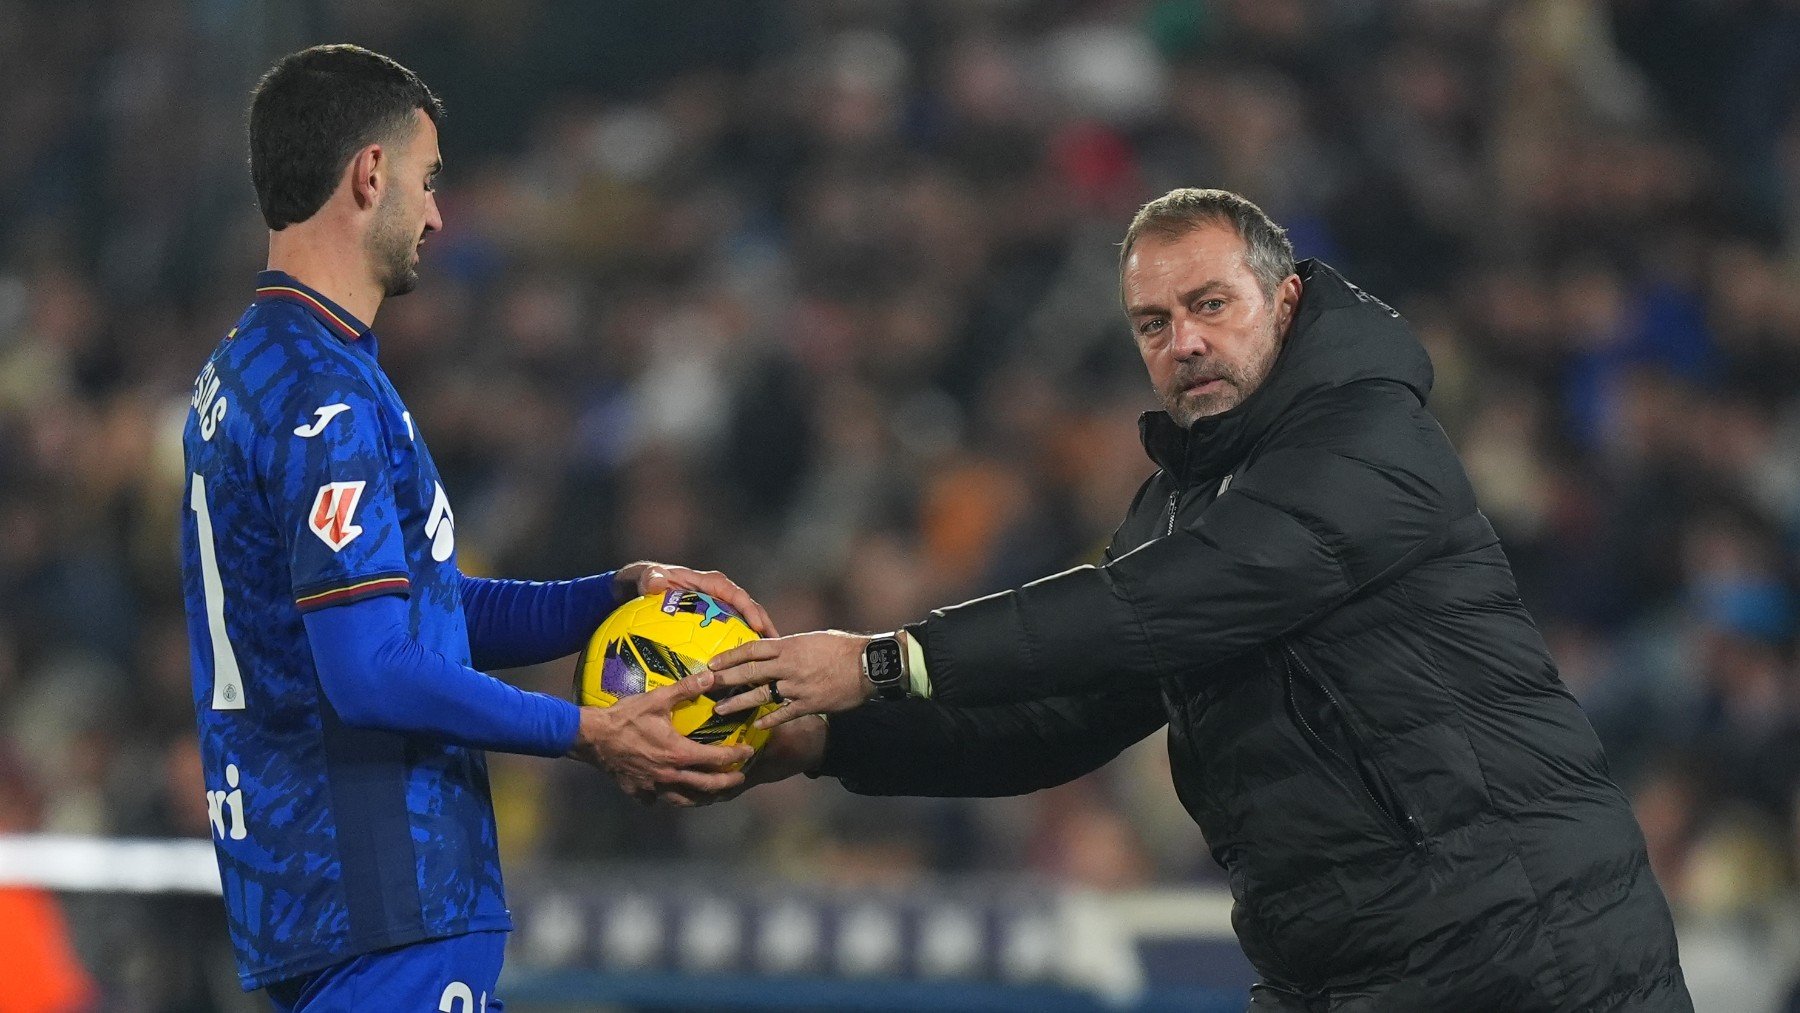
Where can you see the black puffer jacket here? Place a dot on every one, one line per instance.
(1364, 721)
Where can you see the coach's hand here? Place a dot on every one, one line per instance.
(636, 743)
(807, 673)
(644, 577)
(796, 748)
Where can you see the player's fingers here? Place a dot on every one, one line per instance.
(785, 713)
(683, 799)
(746, 606)
(703, 781)
(755, 650)
(653, 580)
(749, 699)
(758, 618)
(688, 754)
(734, 682)
(680, 691)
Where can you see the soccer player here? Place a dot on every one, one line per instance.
(335, 644)
(1412, 810)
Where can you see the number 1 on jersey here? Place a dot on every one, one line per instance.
(228, 684)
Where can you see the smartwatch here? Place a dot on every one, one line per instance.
(884, 665)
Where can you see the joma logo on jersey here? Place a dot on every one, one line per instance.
(333, 516)
(325, 415)
(225, 808)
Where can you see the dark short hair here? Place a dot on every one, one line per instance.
(1179, 212)
(313, 111)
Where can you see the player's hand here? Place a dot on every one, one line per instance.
(795, 748)
(807, 673)
(645, 577)
(636, 743)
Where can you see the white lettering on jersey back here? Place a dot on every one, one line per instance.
(333, 516)
(440, 526)
(325, 414)
(206, 402)
(225, 808)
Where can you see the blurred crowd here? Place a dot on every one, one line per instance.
(824, 294)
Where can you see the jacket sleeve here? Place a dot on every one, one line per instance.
(921, 747)
(918, 747)
(1355, 492)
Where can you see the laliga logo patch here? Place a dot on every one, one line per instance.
(333, 514)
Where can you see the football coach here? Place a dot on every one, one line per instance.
(1363, 719)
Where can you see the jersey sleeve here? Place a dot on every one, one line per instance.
(529, 622)
(328, 475)
(375, 675)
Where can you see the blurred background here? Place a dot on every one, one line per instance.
(824, 294)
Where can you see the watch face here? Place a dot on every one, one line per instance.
(883, 659)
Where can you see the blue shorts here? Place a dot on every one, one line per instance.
(455, 974)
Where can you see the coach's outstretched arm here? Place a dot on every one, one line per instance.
(1336, 505)
(919, 748)
(1339, 506)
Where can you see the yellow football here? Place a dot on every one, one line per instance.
(657, 640)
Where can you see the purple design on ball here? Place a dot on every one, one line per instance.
(620, 674)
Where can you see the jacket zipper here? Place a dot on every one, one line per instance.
(1401, 820)
(1174, 501)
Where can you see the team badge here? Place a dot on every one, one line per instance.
(333, 516)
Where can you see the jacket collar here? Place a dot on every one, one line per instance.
(279, 285)
(1340, 335)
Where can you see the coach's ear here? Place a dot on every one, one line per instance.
(367, 176)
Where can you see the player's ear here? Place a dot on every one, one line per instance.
(367, 168)
(1287, 296)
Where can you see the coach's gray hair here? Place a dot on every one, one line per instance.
(1179, 212)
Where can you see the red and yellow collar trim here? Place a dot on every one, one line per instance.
(278, 285)
(337, 323)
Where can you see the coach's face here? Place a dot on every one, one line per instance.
(407, 211)
(1205, 327)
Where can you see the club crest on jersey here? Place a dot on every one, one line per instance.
(333, 516)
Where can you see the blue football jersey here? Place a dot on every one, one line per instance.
(309, 485)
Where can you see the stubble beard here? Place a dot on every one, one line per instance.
(391, 247)
(1188, 407)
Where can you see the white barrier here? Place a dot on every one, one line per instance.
(630, 935)
(70, 863)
